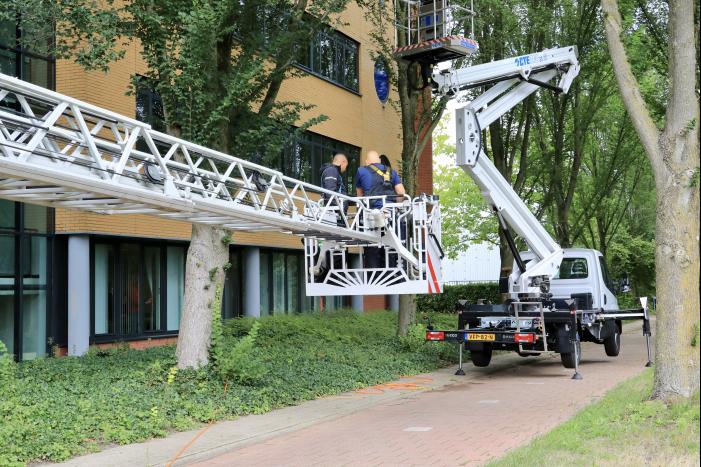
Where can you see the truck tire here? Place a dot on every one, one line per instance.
(612, 344)
(481, 358)
(568, 358)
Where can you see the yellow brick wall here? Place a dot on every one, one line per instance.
(360, 120)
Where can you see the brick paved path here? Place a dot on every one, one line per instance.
(490, 411)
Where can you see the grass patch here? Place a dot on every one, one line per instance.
(624, 428)
(53, 409)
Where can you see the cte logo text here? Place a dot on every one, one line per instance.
(525, 60)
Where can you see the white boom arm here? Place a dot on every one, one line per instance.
(514, 80)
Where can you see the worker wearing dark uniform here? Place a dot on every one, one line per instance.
(332, 180)
(376, 179)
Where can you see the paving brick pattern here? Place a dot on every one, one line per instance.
(490, 411)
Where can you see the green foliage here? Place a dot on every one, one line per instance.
(7, 367)
(235, 359)
(124, 396)
(694, 179)
(634, 257)
(415, 338)
(624, 428)
(445, 302)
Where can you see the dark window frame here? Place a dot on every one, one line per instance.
(301, 297)
(232, 300)
(118, 334)
(341, 43)
(21, 238)
(321, 149)
(22, 53)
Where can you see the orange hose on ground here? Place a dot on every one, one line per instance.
(171, 462)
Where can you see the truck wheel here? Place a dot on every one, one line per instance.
(568, 358)
(612, 344)
(482, 357)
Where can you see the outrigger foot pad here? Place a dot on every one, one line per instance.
(648, 364)
(577, 376)
(460, 372)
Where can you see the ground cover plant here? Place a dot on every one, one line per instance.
(624, 428)
(53, 409)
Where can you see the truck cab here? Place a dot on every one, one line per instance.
(583, 273)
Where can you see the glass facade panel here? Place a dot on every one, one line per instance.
(137, 289)
(175, 270)
(7, 215)
(104, 289)
(131, 295)
(293, 281)
(7, 287)
(36, 218)
(265, 277)
(34, 283)
(152, 288)
(232, 301)
(279, 283)
(282, 283)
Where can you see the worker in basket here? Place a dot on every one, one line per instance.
(332, 180)
(381, 181)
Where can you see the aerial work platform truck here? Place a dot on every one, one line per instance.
(557, 297)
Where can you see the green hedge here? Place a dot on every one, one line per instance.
(56, 408)
(445, 302)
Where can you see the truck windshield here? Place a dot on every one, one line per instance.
(573, 268)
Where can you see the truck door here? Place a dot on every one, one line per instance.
(608, 298)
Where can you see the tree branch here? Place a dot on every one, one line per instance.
(628, 84)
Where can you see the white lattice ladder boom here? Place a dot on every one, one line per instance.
(61, 152)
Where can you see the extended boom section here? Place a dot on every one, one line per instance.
(60, 152)
(511, 81)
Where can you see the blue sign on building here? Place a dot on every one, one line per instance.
(381, 80)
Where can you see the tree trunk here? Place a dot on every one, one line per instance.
(677, 269)
(674, 156)
(204, 269)
(407, 314)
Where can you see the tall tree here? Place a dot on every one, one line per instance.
(218, 66)
(674, 155)
(419, 112)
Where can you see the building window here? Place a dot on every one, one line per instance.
(304, 157)
(232, 300)
(25, 230)
(25, 245)
(334, 57)
(282, 283)
(27, 60)
(149, 106)
(137, 288)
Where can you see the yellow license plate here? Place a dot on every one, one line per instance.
(480, 337)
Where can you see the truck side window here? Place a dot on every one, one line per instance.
(573, 268)
(605, 273)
